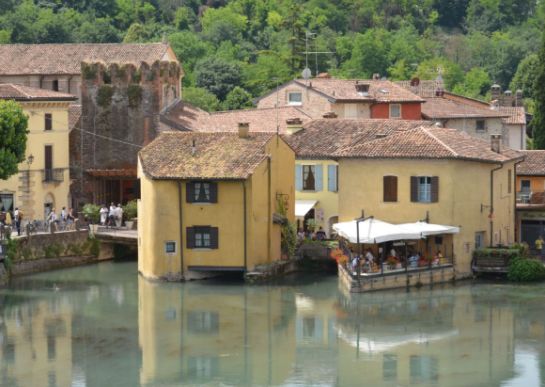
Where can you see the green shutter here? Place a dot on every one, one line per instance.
(332, 178)
(190, 237)
(318, 177)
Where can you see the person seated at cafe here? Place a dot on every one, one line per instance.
(393, 253)
(369, 257)
(320, 234)
(413, 259)
(437, 258)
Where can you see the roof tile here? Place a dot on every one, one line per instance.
(533, 164)
(25, 93)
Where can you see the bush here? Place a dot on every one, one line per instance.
(510, 254)
(526, 270)
(53, 250)
(94, 248)
(130, 210)
(92, 212)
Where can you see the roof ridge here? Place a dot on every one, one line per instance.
(252, 109)
(439, 141)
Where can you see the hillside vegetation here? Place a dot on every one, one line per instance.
(235, 50)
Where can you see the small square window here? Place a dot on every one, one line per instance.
(170, 247)
(48, 121)
(295, 98)
(202, 192)
(202, 237)
(480, 125)
(395, 111)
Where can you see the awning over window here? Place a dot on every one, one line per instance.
(427, 229)
(302, 207)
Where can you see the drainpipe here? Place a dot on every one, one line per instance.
(245, 225)
(269, 205)
(492, 203)
(180, 204)
(515, 199)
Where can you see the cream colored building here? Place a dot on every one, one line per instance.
(210, 202)
(43, 180)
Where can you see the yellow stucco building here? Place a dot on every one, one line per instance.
(43, 181)
(210, 202)
(317, 167)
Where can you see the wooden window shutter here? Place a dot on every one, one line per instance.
(213, 192)
(214, 243)
(390, 188)
(435, 189)
(189, 192)
(190, 237)
(298, 177)
(414, 188)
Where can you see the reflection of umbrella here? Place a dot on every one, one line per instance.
(385, 343)
(373, 231)
(427, 229)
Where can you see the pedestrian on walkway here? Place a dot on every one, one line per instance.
(18, 215)
(103, 214)
(539, 245)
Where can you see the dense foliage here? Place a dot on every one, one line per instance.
(538, 123)
(13, 137)
(526, 270)
(256, 44)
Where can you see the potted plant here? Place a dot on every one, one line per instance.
(130, 212)
(92, 214)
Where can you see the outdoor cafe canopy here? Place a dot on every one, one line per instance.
(427, 229)
(374, 231)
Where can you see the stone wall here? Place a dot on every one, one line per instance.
(120, 114)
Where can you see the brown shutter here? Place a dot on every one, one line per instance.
(414, 188)
(213, 192)
(190, 237)
(214, 243)
(435, 189)
(189, 192)
(390, 188)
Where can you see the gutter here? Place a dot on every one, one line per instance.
(515, 198)
(492, 203)
(269, 208)
(245, 237)
(180, 204)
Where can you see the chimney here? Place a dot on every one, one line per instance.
(507, 99)
(519, 98)
(439, 92)
(293, 125)
(193, 148)
(376, 76)
(495, 91)
(495, 142)
(243, 130)
(330, 115)
(380, 135)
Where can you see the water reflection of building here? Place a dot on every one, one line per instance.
(196, 334)
(426, 337)
(36, 344)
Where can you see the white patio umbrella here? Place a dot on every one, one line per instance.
(427, 229)
(374, 231)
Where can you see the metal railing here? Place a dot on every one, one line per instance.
(398, 266)
(531, 197)
(54, 175)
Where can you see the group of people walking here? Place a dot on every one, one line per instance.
(112, 216)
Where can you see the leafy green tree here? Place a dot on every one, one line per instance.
(526, 74)
(13, 132)
(201, 98)
(538, 122)
(217, 76)
(430, 69)
(238, 98)
(269, 71)
(369, 55)
(223, 24)
(475, 85)
(451, 13)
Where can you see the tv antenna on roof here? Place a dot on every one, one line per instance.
(307, 73)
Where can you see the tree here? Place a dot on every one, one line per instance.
(476, 83)
(238, 98)
(431, 68)
(201, 98)
(525, 76)
(223, 24)
(538, 123)
(13, 132)
(217, 76)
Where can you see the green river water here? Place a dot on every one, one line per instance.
(102, 325)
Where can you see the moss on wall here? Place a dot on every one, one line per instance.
(104, 95)
(134, 93)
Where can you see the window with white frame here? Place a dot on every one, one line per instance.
(295, 98)
(424, 189)
(395, 110)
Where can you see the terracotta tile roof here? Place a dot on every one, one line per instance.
(217, 155)
(187, 117)
(25, 93)
(345, 90)
(430, 143)
(65, 58)
(324, 138)
(517, 115)
(446, 108)
(74, 116)
(425, 88)
(533, 164)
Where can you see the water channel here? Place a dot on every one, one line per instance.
(102, 325)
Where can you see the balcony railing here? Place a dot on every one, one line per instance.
(531, 197)
(54, 175)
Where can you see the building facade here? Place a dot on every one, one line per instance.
(213, 202)
(43, 181)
